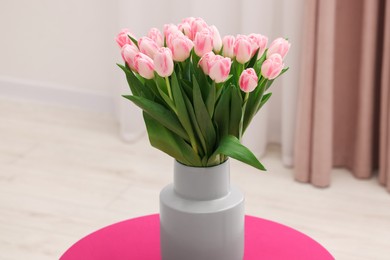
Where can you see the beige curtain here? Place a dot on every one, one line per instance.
(343, 117)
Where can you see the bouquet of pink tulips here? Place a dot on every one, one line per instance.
(199, 92)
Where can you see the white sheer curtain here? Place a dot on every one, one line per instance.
(276, 121)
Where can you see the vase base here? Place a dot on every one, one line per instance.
(201, 230)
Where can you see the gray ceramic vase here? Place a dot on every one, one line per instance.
(201, 215)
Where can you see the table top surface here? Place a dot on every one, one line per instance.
(139, 238)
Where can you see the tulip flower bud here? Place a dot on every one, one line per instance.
(242, 49)
(280, 46)
(272, 66)
(217, 41)
(228, 46)
(156, 36)
(248, 80)
(219, 68)
(181, 48)
(204, 62)
(173, 35)
(189, 20)
(185, 28)
(168, 29)
(259, 42)
(147, 46)
(144, 65)
(128, 54)
(163, 62)
(203, 42)
(123, 38)
(197, 25)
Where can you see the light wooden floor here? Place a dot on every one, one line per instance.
(65, 173)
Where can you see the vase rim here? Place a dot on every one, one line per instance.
(190, 166)
(202, 183)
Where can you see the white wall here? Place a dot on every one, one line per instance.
(68, 45)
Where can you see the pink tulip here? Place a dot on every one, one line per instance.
(280, 46)
(144, 65)
(259, 42)
(186, 29)
(248, 80)
(203, 42)
(219, 68)
(181, 47)
(163, 62)
(272, 66)
(169, 28)
(123, 38)
(173, 35)
(217, 42)
(197, 25)
(188, 20)
(204, 62)
(147, 46)
(228, 46)
(242, 49)
(156, 36)
(128, 54)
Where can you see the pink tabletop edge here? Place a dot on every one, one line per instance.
(263, 238)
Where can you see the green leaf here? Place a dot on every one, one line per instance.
(159, 113)
(187, 70)
(253, 104)
(237, 69)
(222, 112)
(150, 90)
(283, 71)
(264, 100)
(203, 80)
(182, 112)
(167, 100)
(269, 82)
(253, 60)
(235, 111)
(259, 62)
(210, 100)
(171, 144)
(203, 118)
(134, 41)
(135, 85)
(231, 146)
(187, 87)
(160, 81)
(199, 135)
(162, 90)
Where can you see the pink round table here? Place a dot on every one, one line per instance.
(139, 239)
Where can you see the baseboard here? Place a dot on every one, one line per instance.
(51, 94)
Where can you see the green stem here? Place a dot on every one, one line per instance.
(194, 146)
(239, 70)
(262, 80)
(168, 88)
(242, 116)
(246, 98)
(195, 58)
